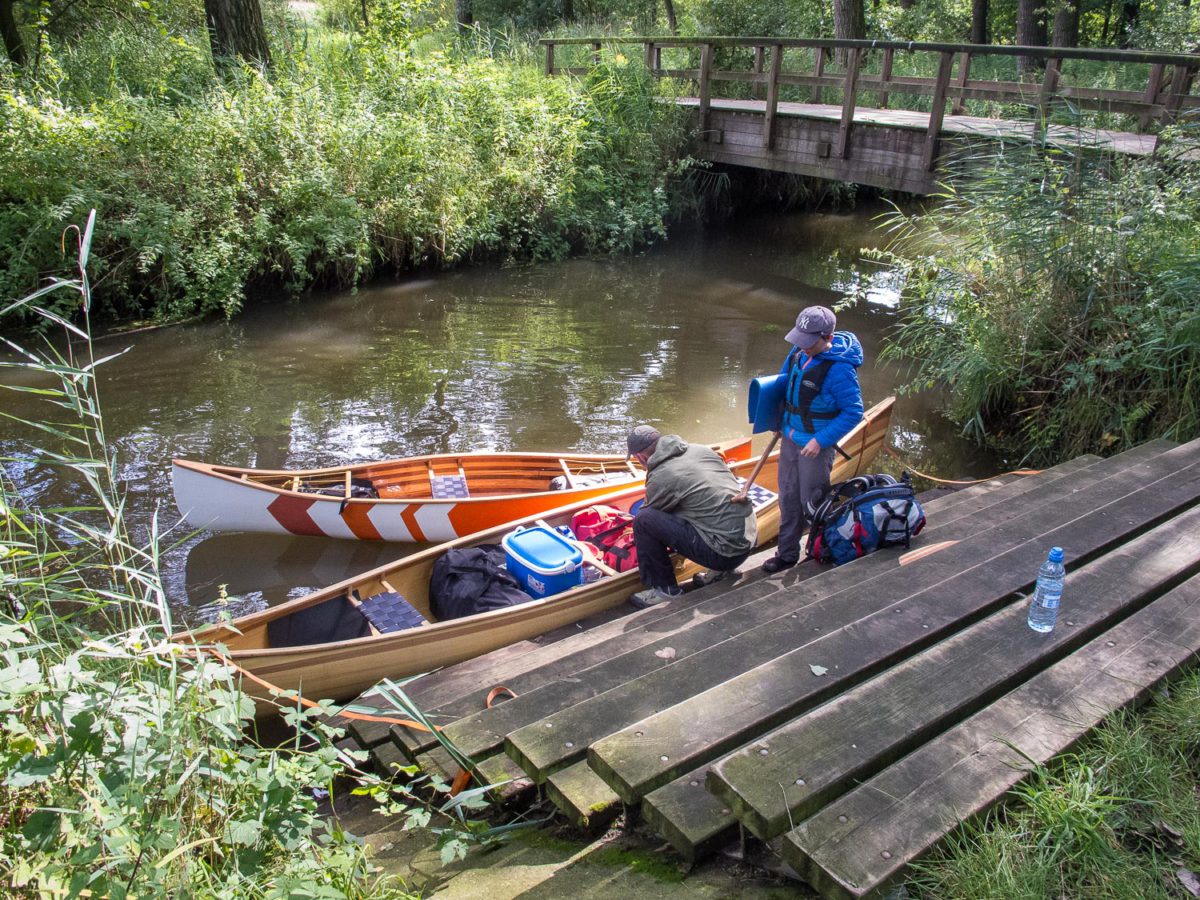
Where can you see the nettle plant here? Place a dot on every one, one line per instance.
(125, 765)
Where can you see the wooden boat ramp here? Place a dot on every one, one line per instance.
(849, 718)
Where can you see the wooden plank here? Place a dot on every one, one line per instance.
(756, 90)
(706, 55)
(1153, 87)
(388, 760)
(458, 693)
(583, 798)
(937, 112)
(768, 126)
(863, 842)
(550, 58)
(788, 774)
(696, 631)
(969, 581)
(964, 72)
(818, 71)
(511, 783)
(848, 103)
(692, 820)
(885, 76)
(1047, 91)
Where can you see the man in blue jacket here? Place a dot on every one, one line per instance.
(823, 403)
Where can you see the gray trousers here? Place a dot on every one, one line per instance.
(801, 481)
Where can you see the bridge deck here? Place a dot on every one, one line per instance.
(967, 126)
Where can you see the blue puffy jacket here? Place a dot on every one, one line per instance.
(840, 393)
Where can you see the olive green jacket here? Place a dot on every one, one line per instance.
(693, 482)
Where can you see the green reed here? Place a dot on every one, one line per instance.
(127, 765)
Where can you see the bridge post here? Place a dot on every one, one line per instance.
(885, 76)
(1153, 86)
(756, 88)
(706, 55)
(818, 70)
(772, 96)
(648, 55)
(549, 57)
(595, 53)
(964, 72)
(1181, 78)
(848, 102)
(1046, 92)
(938, 111)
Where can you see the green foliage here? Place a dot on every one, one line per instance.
(125, 766)
(353, 157)
(1055, 298)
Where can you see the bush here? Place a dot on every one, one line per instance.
(353, 158)
(1055, 298)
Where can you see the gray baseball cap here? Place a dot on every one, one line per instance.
(640, 438)
(812, 323)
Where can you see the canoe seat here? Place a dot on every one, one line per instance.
(449, 487)
(759, 495)
(390, 612)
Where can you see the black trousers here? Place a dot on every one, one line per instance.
(656, 533)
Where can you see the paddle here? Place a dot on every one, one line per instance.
(743, 495)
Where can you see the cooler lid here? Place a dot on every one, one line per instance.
(543, 550)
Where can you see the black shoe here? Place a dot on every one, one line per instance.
(777, 564)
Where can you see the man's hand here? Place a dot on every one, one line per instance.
(812, 449)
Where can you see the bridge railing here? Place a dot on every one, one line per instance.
(1167, 93)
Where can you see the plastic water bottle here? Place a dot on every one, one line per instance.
(1043, 610)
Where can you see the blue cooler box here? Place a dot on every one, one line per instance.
(543, 561)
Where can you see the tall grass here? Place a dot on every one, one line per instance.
(126, 764)
(1055, 298)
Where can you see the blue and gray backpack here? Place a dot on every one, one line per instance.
(863, 514)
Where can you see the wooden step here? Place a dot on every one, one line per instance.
(567, 682)
(787, 774)
(863, 841)
(958, 586)
(541, 747)
(693, 820)
(579, 793)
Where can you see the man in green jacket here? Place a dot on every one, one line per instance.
(687, 510)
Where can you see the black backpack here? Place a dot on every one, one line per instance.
(469, 580)
(864, 514)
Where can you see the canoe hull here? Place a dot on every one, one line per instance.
(218, 499)
(343, 670)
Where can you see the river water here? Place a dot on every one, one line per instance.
(561, 356)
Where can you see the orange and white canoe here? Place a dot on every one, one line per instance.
(421, 499)
(327, 645)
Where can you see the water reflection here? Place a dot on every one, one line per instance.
(565, 356)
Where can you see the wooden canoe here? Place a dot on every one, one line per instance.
(421, 498)
(343, 669)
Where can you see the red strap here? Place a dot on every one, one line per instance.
(496, 692)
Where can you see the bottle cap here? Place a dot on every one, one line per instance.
(1056, 554)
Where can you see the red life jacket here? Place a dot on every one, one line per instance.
(610, 532)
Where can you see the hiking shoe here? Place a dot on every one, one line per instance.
(654, 596)
(712, 576)
(776, 564)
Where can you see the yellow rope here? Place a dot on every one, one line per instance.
(891, 451)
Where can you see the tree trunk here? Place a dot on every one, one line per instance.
(1031, 32)
(849, 22)
(672, 21)
(464, 13)
(235, 29)
(1130, 9)
(979, 21)
(1066, 26)
(13, 45)
(904, 4)
(567, 10)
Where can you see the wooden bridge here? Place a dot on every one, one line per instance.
(773, 115)
(851, 717)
